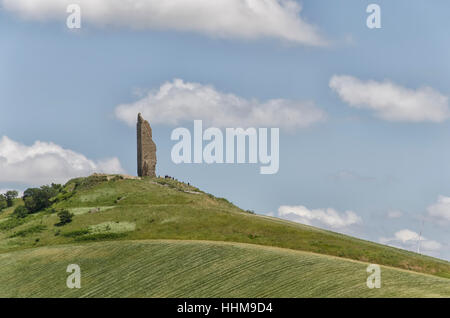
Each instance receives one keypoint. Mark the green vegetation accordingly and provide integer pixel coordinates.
(38, 199)
(112, 227)
(10, 196)
(106, 230)
(11, 223)
(200, 269)
(115, 210)
(31, 230)
(3, 203)
(75, 233)
(175, 184)
(65, 217)
(7, 199)
(99, 237)
(20, 212)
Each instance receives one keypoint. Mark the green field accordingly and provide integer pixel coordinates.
(116, 234)
(200, 269)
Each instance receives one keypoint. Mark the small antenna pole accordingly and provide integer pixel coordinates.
(420, 236)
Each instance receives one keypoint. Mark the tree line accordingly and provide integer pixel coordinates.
(35, 200)
(7, 199)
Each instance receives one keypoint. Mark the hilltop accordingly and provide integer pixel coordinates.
(127, 225)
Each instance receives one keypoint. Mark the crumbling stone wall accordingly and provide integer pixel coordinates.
(146, 149)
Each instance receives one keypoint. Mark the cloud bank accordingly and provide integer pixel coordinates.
(440, 210)
(245, 19)
(390, 101)
(407, 239)
(46, 162)
(328, 217)
(179, 101)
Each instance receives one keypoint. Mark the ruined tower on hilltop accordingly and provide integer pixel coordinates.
(146, 149)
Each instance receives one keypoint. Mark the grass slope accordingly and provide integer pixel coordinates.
(200, 269)
(121, 214)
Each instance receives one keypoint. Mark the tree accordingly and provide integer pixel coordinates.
(33, 199)
(64, 217)
(3, 204)
(37, 199)
(10, 196)
(57, 187)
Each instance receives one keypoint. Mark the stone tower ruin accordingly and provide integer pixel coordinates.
(146, 149)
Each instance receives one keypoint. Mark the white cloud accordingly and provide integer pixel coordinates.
(247, 19)
(394, 214)
(45, 162)
(430, 245)
(20, 192)
(328, 217)
(406, 235)
(390, 101)
(440, 210)
(180, 101)
(409, 240)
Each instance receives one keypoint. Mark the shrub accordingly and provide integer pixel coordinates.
(3, 204)
(37, 199)
(11, 223)
(63, 196)
(64, 217)
(20, 212)
(10, 196)
(50, 210)
(89, 182)
(76, 233)
(100, 237)
(31, 230)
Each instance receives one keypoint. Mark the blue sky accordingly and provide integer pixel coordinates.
(63, 86)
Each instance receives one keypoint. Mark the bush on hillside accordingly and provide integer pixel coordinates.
(11, 223)
(10, 196)
(31, 230)
(64, 217)
(20, 212)
(3, 204)
(37, 199)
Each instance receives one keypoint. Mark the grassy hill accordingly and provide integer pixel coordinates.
(119, 225)
(199, 269)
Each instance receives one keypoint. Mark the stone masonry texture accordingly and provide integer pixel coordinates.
(146, 149)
